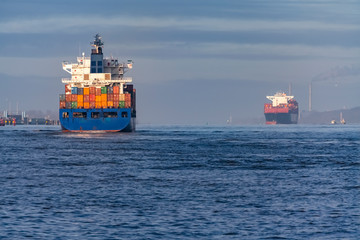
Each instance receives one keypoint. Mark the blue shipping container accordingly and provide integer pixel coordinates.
(74, 90)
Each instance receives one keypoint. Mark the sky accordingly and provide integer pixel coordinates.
(195, 61)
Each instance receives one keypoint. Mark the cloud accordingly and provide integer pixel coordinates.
(56, 24)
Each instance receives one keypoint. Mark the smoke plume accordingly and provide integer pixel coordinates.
(337, 72)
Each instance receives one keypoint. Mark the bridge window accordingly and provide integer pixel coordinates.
(99, 70)
(99, 63)
(93, 63)
(93, 70)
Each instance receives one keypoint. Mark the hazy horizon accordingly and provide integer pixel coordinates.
(194, 61)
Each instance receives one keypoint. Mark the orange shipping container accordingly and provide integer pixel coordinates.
(127, 97)
(80, 98)
(116, 89)
(110, 104)
(97, 98)
(98, 104)
(80, 105)
(104, 104)
(122, 97)
(86, 91)
(116, 104)
(92, 104)
(86, 105)
(104, 97)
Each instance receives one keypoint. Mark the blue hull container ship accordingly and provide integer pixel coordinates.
(98, 98)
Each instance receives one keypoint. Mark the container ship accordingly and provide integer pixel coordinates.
(97, 96)
(283, 109)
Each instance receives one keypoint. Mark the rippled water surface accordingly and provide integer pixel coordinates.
(257, 182)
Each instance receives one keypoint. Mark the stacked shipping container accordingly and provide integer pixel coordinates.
(96, 97)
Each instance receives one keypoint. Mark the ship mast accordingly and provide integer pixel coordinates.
(98, 43)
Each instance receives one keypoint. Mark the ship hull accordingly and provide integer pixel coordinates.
(97, 120)
(281, 118)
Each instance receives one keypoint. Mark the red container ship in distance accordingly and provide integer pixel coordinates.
(283, 109)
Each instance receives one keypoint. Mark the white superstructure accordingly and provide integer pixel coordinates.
(279, 98)
(97, 71)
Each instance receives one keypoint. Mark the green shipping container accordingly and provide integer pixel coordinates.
(121, 104)
(73, 105)
(103, 90)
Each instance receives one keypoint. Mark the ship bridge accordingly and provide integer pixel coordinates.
(279, 99)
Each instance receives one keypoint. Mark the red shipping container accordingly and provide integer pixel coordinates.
(68, 97)
(116, 97)
(127, 97)
(127, 104)
(74, 97)
(92, 90)
(110, 97)
(62, 104)
(98, 91)
(92, 105)
(87, 98)
(67, 89)
(92, 97)
(116, 89)
(116, 104)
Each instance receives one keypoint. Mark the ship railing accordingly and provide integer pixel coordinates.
(97, 81)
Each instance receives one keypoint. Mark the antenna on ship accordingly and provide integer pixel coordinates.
(98, 43)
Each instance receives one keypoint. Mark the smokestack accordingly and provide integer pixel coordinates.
(310, 107)
(290, 88)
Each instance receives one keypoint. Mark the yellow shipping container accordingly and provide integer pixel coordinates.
(86, 105)
(104, 97)
(80, 98)
(86, 91)
(98, 104)
(98, 99)
(122, 97)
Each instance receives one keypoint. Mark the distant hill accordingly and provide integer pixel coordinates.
(350, 116)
